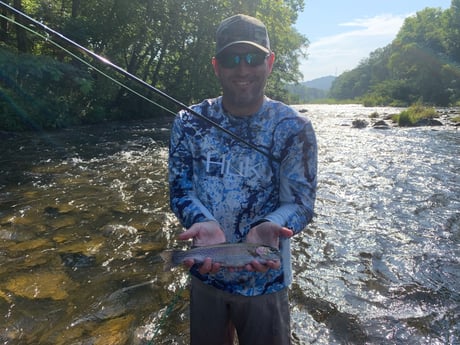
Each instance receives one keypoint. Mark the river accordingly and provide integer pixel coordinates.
(84, 214)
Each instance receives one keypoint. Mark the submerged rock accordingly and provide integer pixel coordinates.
(77, 260)
(113, 332)
(39, 285)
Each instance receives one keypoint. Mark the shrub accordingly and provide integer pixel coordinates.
(413, 114)
(39, 92)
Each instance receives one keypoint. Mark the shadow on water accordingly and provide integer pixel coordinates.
(84, 214)
(344, 327)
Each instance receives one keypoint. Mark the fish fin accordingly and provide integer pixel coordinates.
(167, 257)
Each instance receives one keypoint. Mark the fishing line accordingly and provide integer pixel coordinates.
(126, 74)
(166, 314)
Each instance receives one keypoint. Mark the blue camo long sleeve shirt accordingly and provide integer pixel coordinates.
(213, 176)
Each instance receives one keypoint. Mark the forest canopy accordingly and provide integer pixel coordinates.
(169, 45)
(166, 43)
(422, 64)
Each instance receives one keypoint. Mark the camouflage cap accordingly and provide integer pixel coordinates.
(242, 29)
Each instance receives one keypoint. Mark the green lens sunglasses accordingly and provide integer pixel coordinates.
(232, 60)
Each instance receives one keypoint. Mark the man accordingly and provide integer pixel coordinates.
(223, 190)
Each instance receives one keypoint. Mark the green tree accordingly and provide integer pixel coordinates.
(453, 31)
(40, 92)
(359, 81)
(169, 44)
(420, 64)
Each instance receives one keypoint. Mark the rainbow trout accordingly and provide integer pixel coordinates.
(228, 254)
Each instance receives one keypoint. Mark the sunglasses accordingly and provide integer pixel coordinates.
(233, 60)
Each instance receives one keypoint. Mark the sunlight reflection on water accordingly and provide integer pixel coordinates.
(384, 200)
(379, 264)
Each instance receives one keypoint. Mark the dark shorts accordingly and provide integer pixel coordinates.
(216, 314)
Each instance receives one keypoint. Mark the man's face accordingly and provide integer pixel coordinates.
(243, 85)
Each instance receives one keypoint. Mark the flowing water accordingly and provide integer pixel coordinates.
(84, 214)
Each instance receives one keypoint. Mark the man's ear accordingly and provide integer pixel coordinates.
(215, 66)
(271, 61)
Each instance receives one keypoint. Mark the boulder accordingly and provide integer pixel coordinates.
(359, 123)
(428, 122)
(381, 125)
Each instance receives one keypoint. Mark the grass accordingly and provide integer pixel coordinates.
(413, 114)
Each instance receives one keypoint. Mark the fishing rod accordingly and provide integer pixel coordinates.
(133, 77)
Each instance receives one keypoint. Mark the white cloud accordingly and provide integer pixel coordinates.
(332, 55)
(382, 25)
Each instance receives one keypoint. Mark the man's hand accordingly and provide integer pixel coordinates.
(269, 234)
(204, 234)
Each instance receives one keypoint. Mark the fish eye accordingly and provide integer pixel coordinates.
(262, 250)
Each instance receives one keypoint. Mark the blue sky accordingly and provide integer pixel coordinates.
(343, 32)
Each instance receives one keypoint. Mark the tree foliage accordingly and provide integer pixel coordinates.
(168, 44)
(421, 64)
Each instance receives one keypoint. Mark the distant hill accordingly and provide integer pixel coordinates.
(310, 90)
(323, 83)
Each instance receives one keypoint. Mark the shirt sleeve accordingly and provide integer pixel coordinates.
(298, 180)
(183, 200)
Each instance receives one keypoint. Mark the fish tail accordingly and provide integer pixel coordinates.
(168, 259)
